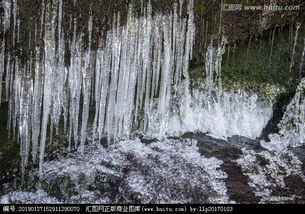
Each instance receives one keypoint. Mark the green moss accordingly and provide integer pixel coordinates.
(254, 66)
(197, 72)
(270, 90)
(234, 81)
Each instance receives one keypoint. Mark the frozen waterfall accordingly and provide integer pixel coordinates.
(136, 82)
(135, 70)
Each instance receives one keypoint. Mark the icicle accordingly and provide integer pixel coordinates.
(75, 86)
(59, 73)
(86, 71)
(137, 64)
(25, 106)
(103, 88)
(294, 45)
(9, 69)
(213, 62)
(8, 78)
(115, 61)
(2, 68)
(181, 6)
(49, 58)
(147, 65)
(97, 94)
(15, 10)
(228, 56)
(190, 35)
(163, 102)
(6, 24)
(6, 4)
(60, 15)
(37, 98)
(248, 50)
(302, 61)
(271, 48)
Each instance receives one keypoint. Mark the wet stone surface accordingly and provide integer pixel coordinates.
(227, 151)
(195, 168)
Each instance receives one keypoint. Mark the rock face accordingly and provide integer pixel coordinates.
(241, 20)
(251, 18)
(211, 17)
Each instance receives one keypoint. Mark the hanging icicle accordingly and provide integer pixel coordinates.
(137, 62)
(294, 46)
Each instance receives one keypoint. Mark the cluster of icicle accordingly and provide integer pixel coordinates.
(5, 71)
(213, 60)
(143, 60)
(136, 81)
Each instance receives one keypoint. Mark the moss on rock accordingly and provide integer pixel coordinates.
(261, 64)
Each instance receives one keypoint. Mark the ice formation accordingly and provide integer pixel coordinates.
(138, 62)
(280, 162)
(128, 172)
(230, 113)
(292, 125)
(267, 172)
(294, 46)
(135, 82)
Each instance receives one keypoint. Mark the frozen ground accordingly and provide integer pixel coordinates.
(193, 169)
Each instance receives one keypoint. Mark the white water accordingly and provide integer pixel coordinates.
(231, 113)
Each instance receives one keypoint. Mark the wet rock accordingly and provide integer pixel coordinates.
(195, 168)
(227, 151)
(171, 171)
